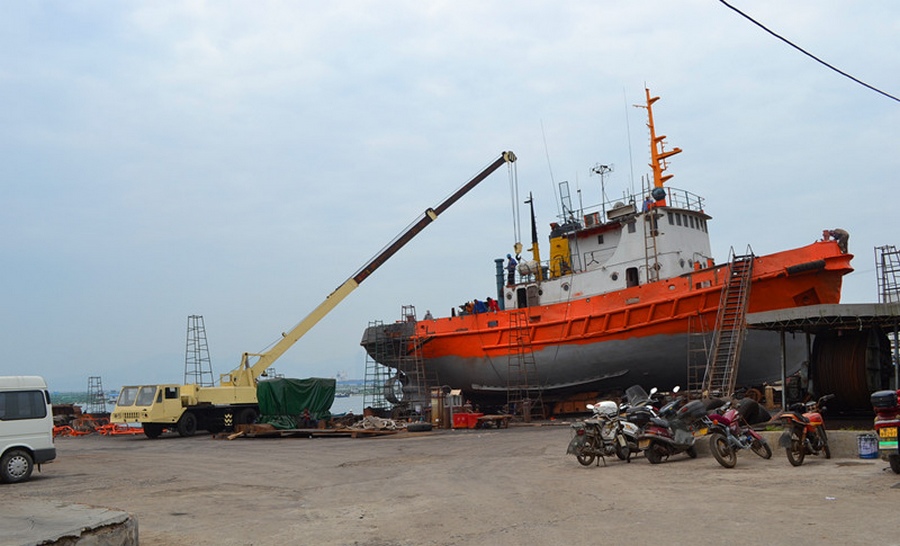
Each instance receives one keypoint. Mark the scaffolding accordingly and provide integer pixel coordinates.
(417, 386)
(887, 266)
(377, 375)
(197, 364)
(96, 397)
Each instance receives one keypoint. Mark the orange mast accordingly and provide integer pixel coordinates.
(658, 155)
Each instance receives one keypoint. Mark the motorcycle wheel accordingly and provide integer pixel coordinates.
(761, 448)
(653, 456)
(895, 463)
(796, 451)
(718, 445)
(622, 452)
(691, 452)
(823, 440)
(586, 456)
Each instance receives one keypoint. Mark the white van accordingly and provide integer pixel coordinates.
(26, 427)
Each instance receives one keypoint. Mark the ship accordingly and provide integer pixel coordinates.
(629, 287)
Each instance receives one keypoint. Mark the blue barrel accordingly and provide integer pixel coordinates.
(868, 446)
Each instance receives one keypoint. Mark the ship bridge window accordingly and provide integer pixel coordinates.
(632, 226)
(692, 222)
(631, 277)
(671, 219)
(678, 219)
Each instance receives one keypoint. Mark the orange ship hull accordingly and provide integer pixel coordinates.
(614, 340)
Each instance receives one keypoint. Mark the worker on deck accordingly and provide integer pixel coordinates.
(511, 270)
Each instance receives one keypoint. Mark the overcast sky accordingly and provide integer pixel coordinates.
(240, 160)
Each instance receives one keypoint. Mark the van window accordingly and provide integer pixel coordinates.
(22, 405)
(145, 396)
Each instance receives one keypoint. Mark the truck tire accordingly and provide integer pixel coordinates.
(187, 425)
(419, 427)
(152, 430)
(16, 466)
(247, 416)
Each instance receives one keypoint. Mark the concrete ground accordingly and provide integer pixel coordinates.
(511, 486)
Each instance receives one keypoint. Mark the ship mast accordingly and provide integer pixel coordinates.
(535, 251)
(658, 155)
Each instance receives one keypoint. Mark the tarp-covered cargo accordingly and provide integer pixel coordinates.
(282, 401)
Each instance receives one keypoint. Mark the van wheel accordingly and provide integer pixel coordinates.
(16, 466)
(187, 425)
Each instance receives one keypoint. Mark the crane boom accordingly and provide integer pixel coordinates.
(245, 374)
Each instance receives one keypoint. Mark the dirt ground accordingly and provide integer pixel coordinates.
(511, 486)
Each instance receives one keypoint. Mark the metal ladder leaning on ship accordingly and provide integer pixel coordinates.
(522, 395)
(730, 330)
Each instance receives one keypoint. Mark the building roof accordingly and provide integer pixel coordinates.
(820, 318)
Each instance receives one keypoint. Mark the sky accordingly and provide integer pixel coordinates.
(240, 160)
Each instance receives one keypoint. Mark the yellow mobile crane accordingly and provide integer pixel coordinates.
(189, 408)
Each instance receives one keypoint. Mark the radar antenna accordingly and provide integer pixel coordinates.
(602, 171)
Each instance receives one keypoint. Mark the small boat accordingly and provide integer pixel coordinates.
(626, 287)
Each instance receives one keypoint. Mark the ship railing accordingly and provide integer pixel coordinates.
(684, 199)
(596, 214)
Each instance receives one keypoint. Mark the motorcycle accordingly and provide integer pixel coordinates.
(673, 431)
(635, 414)
(887, 421)
(804, 431)
(599, 436)
(730, 432)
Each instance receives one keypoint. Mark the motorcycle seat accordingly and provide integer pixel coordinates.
(659, 421)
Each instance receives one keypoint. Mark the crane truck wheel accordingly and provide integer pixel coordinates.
(152, 431)
(187, 425)
(247, 416)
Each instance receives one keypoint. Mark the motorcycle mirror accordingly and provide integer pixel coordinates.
(590, 406)
(676, 389)
(653, 391)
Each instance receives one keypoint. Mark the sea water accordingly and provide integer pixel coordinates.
(353, 403)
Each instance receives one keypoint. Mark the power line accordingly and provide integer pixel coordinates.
(808, 54)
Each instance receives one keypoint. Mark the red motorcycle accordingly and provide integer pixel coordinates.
(887, 421)
(730, 432)
(804, 431)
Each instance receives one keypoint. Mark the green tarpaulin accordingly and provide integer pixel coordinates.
(282, 401)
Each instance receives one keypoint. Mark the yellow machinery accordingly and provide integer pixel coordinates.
(189, 408)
